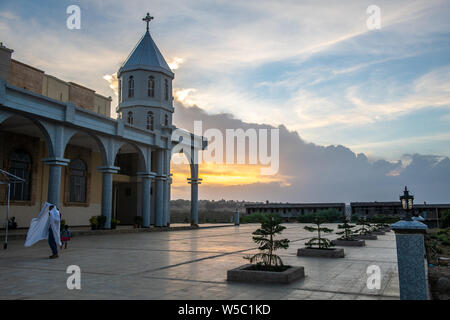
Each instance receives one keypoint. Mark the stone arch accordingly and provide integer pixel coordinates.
(143, 164)
(43, 132)
(127, 191)
(98, 143)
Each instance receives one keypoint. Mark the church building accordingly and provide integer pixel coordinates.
(61, 139)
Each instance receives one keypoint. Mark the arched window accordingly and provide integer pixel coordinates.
(166, 120)
(131, 87)
(130, 117)
(150, 121)
(151, 86)
(20, 165)
(167, 89)
(78, 181)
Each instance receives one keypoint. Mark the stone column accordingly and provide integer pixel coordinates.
(236, 218)
(107, 190)
(409, 236)
(194, 181)
(146, 198)
(168, 185)
(160, 178)
(54, 178)
(166, 159)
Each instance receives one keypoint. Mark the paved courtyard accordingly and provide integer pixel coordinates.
(189, 265)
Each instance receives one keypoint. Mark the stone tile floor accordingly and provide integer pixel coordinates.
(189, 265)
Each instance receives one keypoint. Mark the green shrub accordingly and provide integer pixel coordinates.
(347, 233)
(328, 215)
(101, 221)
(256, 217)
(366, 228)
(445, 219)
(319, 241)
(93, 221)
(265, 238)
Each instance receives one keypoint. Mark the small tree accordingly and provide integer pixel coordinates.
(319, 241)
(265, 237)
(347, 233)
(365, 226)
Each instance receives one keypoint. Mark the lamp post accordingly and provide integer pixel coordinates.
(407, 203)
(409, 236)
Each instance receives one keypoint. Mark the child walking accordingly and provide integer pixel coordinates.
(65, 236)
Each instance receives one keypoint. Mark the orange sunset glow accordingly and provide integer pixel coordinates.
(226, 175)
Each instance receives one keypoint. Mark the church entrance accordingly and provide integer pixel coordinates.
(127, 186)
(125, 202)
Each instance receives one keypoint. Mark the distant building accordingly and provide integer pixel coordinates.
(292, 210)
(430, 212)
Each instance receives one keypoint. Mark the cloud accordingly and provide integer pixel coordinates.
(113, 82)
(313, 173)
(175, 63)
(311, 66)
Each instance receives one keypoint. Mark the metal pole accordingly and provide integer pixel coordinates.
(5, 245)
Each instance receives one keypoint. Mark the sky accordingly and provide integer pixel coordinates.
(367, 107)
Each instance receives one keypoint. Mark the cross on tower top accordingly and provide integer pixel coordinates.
(147, 19)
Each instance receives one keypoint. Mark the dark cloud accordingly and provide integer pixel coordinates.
(327, 173)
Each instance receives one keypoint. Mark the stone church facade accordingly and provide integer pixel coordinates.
(59, 136)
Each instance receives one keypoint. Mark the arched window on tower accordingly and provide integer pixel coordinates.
(78, 180)
(150, 121)
(130, 119)
(166, 120)
(151, 86)
(167, 89)
(131, 87)
(20, 165)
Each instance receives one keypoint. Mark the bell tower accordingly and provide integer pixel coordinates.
(145, 86)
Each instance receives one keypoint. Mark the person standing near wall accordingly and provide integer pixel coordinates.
(54, 231)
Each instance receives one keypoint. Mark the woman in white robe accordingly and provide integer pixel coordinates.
(46, 226)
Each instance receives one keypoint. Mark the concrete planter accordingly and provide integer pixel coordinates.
(349, 243)
(242, 274)
(379, 233)
(367, 237)
(321, 253)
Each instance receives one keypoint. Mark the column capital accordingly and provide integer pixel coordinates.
(55, 161)
(194, 180)
(146, 175)
(409, 227)
(108, 169)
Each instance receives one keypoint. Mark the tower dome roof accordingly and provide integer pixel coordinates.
(146, 56)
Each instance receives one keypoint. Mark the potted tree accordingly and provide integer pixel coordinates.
(347, 236)
(93, 222)
(364, 233)
(101, 222)
(377, 229)
(266, 266)
(114, 223)
(320, 246)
